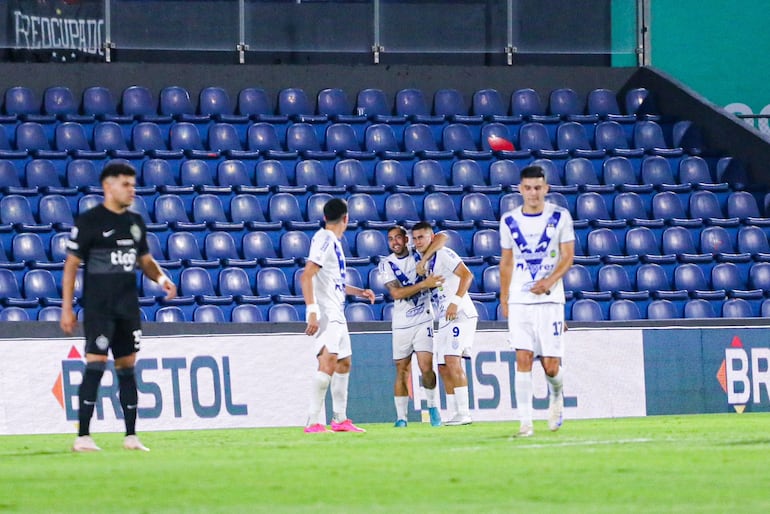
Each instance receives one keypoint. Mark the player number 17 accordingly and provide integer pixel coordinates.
(557, 328)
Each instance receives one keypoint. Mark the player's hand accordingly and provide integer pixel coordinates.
(432, 281)
(170, 288)
(541, 287)
(68, 321)
(420, 268)
(451, 312)
(312, 324)
(368, 294)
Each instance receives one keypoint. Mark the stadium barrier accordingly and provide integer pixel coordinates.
(215, 379)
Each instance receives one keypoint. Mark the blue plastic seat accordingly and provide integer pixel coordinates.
(253, 102)
(282, 313)
(679, 241)
(695, 171)
(60, 102)
(312, 174)
(467, 173)
(28, 247)
(458, 138)
(451, 104)
(591, 206)
(418, 138)
(259, 246)
(372, 103)
(610, 136)
(489, 104)
(98, 102)
(604, 103)
(527, 104)
(208, 208)
(572, 137)
(564, 102)
(705, 205)
(624, 310)
(247, 208)
(294, 102)
(412, 104)
(662, 309)
(499, 130)
(534, 137)
(215, 103)
(753, 240)
(220, 246)
(175, 101)
(614, 278)
(727, 276)
(381, 139)
(619, 171)
(271, 173)
(652, 277)
(42, 174)
(295, 244)
(40, 284)
(246, 313)
(580, 172)
(157, 172)
(718, 242)
(138, 101)
(208, 314)
(342, 139)
(271, 281)
(263, 137)
(641, 102)
(391, 174)
(455, 242)
(233, 173)
(55, 210)
(147, 137)
(196, 281)
(759, 276)
(510, 201)
(70, 137)
(743, 205)
(82, 174)
(648, 135)
(667, 206)
(505, 173)
(733, 171)
(699, 308)
(577, 281)
(439, 207)
(170, 209)
(642, 241)
(184, 246)
(349, 173)
(686, 135)
(657, 171)
(185, 136)
(285, 208)
(302, 137)
(737, 308)
(223, 138)
(371, 243)
(170, 314)
(486, 243)
(16, 210)
(21, 101)
(430, 175)
(89, 201)
(401, 208)
(690, 277)
(359, 312)
(476, 207)
(334, 103)
(108, 137)
(31, 136)
(363, 210)
(587, 309)
(9, 177)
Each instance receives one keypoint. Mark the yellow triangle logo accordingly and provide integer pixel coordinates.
(739, 408)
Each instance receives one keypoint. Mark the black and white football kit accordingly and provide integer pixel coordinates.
(110, 245)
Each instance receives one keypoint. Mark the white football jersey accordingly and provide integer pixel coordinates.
(534, 240)
(444, 263)
(329, 282)
(412, 311)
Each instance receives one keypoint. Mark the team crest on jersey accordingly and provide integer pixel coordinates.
(136, 232)
(102, 342)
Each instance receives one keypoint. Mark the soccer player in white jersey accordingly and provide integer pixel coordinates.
(457, 318)
(412, 319)
(324, 290)
(538, 245)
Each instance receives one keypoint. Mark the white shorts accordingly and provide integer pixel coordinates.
(538, 328)
(418, 338)
(335, 337)
(455, 338)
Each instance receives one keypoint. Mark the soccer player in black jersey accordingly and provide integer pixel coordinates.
(111, 241)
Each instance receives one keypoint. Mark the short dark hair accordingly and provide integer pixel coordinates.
(533, 172)
(335, 209)
(422, 225)
(399, 228)
(115, 169)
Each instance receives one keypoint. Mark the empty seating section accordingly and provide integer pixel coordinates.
(232, 187)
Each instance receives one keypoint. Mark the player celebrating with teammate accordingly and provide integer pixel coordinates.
(412, 319)
(538, 245)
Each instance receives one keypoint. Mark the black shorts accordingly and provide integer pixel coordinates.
(123, 336)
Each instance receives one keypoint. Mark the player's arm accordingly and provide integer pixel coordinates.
(506, 275)
(68, 319)
(567, 255)
(437, 243)
(359, 291)
(466, 278)
(400, 292)
(312, 312)
(151, 268)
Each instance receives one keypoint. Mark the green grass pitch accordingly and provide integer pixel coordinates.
(705, 463)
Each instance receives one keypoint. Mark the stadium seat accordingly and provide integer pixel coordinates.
(272, 174)
(295, 244)
(263, 137)
(695, 171)
(196, 281)
(235, 282)
(40, 284)
(412, 104)
(737, 308)
(678, 241)
(185, 136)
(418, 138)
(208, 314)
(505, 173)
(285, 208)
(451, 104)
(610, 136)
(624, 310)
(743, 205)
(467, 173)
(604, 103)
(302, 137)
(643, 242)
(429, 174)
(477, 208)
(50, 313)
(391, 174)
(233, 173)
(685, 134)
(21, 101)
(662, 309)
(334, 103)
(253, 102)
(731, 278)
(56, 211)
(350, 173)
(157, 172)
(9, 177)
(705, 205)
(592, 207)
(527, 104)
(184, 246)
(196, 173)
(108, 137)
(719, 243)
(510, 202)
(342, 139)
(246, 313)
(458, 138)
(587, 309)
(16, 210)
(271, 281)
(363, 210)
(98, 102)
(359, 312)
(372, 103)
(667, 206)
(759, 276)
(220, 246)
(656, 170)
(223, 138)
(208, 208)
(753, 240)
(640, 102)
(489, 104)
(486, 243)
(59, 101)
(70, 137)
(58, 245)
(147, 137)
(170, 209)
(629, 206)
(572, 137)
(294, 102)
(82, 174)
(619, 172)
(31, 137)
(534, 137)
(215, 103)
(401, 208)
(564, 102)
(580, 172)
(175, 102)
(690, 277)
(42, 174)
(282, 313)
(733, 171)
(10, 292)
(699, 308)
(381, 139)
(439, 208)
(138, 101)
(170, 314)
(258, 245)
(14, 314)
(371, 243)
(87, 202)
